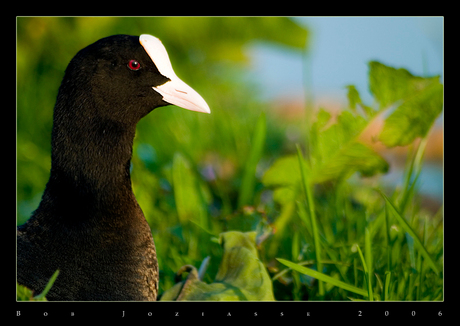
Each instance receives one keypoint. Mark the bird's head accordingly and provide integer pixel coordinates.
(127, 77)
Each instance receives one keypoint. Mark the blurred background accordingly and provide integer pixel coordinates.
(243, 67)
(339, 49)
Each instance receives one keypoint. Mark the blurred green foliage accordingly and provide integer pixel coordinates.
(196, 176)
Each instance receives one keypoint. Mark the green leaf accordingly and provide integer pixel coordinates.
(258, 141)
(336, 152)
(355, 157)
(411, 232)
(414, 117)
(389, 85)
(283, 172)
(23, 293)
(418, 100)
(241, 275)
(354, 100)
(353, 96)
(322, 118)
(323, 277)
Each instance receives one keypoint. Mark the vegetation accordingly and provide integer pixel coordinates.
(325, 228)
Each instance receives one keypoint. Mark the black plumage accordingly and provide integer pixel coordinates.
(89, 224)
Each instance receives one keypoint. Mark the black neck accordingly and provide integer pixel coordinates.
(90, 161)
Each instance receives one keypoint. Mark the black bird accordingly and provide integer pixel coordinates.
(89, 224)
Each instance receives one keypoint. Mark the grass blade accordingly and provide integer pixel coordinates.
(387, 238)
(369, 261)
(386, 291)
(368, 252)
(420, 265)
(258, 141)
(48, 287)
(323, 277)
(311, 207)
(366, 274)
(411, 232)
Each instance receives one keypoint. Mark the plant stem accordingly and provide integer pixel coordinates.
(311, 207)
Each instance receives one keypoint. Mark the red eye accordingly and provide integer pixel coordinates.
(134, 65)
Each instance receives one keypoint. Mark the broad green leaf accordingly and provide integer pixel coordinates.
(355, 157)
(283, 172)
(389, 85)
(284, 195)
(336, 153)
(418, 101)
(327, 143)
(23, 293)
(322, 118)
(323, 277)
(414, 117)
(241, 275)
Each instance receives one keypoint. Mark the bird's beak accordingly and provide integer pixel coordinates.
(174, 91)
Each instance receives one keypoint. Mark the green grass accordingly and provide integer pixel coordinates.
(324, 277)
(370, 275)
